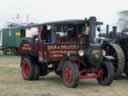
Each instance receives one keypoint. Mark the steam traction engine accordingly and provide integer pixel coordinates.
(116, 45)
(69, 49)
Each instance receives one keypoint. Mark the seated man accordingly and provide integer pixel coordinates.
(48, 36)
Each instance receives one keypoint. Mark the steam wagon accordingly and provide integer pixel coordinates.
(69, 49)
(11, 38)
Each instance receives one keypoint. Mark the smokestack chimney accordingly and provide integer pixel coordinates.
(92, 33)
(107, 30)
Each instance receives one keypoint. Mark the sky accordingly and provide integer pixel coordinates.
(51, 10)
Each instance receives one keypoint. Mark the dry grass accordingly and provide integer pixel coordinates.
(12, 84)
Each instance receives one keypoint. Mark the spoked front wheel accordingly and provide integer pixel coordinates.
(107, 73)
(70, 74)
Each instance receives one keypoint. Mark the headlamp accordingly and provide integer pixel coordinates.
(81, 52)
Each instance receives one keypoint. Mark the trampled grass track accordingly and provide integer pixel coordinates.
(12, 84)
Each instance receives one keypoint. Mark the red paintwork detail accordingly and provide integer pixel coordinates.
(25, 46)
(68, 74)
(57, 52)
(97, 74)
(25, 70)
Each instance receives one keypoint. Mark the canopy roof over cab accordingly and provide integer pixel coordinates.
(63, 22)
(75, 21)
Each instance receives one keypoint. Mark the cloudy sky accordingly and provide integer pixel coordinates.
(48, 10)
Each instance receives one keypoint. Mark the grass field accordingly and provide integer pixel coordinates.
(12, 84)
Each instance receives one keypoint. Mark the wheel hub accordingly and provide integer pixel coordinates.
(68, 74)
(25, 69)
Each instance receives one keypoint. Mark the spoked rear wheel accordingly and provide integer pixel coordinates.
(70, 74)
(30, 71)
(107, 73)
(25, 70)
(43, 69)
